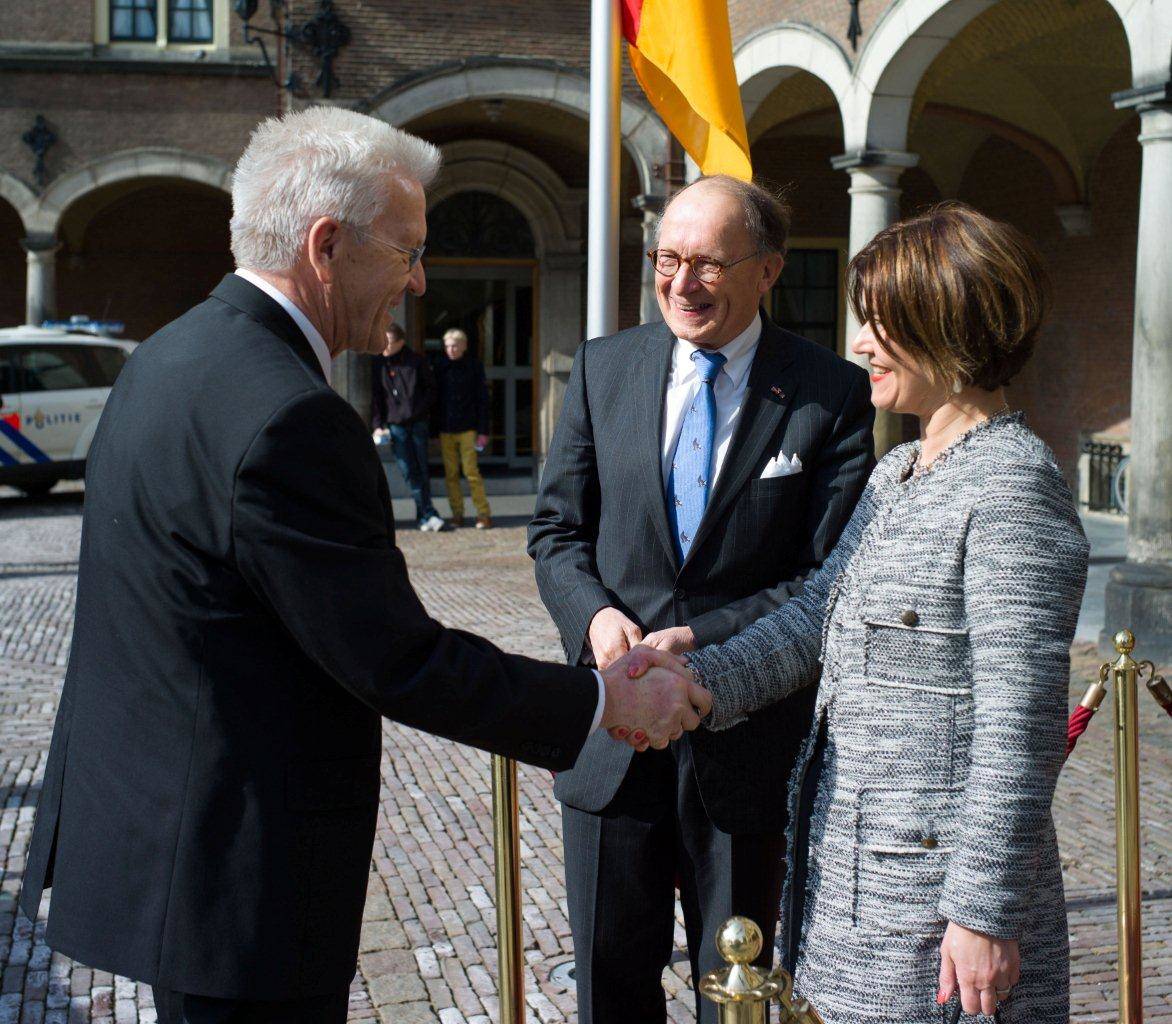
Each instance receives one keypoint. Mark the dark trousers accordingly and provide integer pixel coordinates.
(409, 443)
(621, 867)
(184, 1008)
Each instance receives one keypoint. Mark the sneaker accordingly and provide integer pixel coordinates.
(483, 523)
(433, 523)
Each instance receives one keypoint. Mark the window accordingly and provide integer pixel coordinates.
(805, 298)
(108, 362)
(69, 367)
(7, 374)
(133, 20)
(197, 24)
(189, 21)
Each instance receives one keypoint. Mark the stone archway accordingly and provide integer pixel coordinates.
(908, 37)
(522, 179)
(142, 250)
(644, 137)
(42, 214)
(18, 195)
(767, 57)
(124, 166)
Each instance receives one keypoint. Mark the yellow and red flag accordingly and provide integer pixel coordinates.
(681, 53)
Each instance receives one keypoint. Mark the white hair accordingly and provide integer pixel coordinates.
(318, 162)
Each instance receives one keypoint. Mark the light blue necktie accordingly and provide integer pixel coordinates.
(690, 478)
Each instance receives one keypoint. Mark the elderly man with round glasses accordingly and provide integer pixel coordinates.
(701, 469)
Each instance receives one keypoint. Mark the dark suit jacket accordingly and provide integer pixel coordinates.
(600, 536)
(243, 620)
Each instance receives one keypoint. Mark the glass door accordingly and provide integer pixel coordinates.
(494, 305)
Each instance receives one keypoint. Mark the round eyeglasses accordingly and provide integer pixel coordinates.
(706, 268)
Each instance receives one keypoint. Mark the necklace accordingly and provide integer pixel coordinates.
(919, 467)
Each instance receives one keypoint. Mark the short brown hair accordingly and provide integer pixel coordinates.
(767, 216)
(395, 330)
(963, 294)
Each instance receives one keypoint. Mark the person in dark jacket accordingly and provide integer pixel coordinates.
(402, 394)
(463, 425)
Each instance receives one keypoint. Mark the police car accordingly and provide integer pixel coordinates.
(54, 382)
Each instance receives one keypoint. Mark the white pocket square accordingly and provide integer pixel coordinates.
(781, 465)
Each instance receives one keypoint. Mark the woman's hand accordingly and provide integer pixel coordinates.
(638, 667)
(982, 967)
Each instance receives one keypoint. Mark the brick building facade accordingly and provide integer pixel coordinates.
(1001, 103)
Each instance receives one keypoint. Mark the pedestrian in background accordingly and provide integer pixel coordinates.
(402, 394)
(463, 424)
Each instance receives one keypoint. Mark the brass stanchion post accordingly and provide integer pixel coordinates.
(743, 991)
(1125, 672)
(506, 843)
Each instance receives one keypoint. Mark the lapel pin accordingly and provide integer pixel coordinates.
(778, 393)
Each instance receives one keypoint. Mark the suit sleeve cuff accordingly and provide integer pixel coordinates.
(601, 702)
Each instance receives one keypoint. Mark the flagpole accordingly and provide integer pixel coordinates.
(602, 263)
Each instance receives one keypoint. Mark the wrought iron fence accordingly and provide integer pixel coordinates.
(1103, 468)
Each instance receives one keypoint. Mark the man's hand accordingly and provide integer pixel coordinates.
(481, 442)
(677, 639)
(651, 699)
(611, 635)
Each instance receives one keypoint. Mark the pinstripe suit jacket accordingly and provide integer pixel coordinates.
(600, 535)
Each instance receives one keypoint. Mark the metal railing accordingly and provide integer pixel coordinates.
(744, 991)
(1104, 492)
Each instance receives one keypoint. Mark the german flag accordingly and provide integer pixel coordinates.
(681, 53)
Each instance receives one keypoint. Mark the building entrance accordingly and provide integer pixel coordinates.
(493, 303)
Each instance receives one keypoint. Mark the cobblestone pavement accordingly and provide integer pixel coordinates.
(428, 949)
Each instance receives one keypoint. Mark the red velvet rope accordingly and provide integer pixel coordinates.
(1079, 720)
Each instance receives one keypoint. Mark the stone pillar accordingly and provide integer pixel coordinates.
(651, 207)
(1139, 593)
(560, 332)
(351, 378)
(41, 280)
(874, 205)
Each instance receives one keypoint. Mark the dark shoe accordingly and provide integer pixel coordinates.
(483, 523)
(457, 522)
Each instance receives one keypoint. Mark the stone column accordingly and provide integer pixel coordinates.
(560, 332)
(351, 378)
(41, 280)
(1139, 593)
(874, 205)
(651, 206)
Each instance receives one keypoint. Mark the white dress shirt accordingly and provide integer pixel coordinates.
(321, 350)
(316, 341)
(729, 389)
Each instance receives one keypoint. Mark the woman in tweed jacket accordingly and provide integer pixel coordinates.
(924, 865)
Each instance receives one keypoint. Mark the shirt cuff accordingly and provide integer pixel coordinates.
(601, 702)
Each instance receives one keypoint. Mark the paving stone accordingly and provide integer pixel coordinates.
(428, 937)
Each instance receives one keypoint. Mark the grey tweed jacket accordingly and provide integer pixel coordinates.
(943, 621)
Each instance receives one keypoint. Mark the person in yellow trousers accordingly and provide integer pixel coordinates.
(463, 425)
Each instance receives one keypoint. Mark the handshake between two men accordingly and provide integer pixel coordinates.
(651, 698)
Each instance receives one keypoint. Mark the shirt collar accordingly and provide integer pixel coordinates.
(738, 355)
(312, 335)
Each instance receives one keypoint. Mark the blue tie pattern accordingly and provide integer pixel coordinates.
(689, 481)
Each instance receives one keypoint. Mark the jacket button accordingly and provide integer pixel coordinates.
(929, 843)
(681, 594)
(909, 618)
